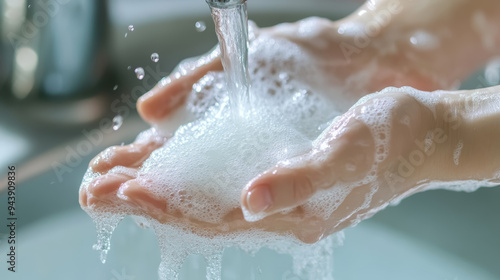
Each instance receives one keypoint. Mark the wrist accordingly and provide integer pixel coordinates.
(471, 120)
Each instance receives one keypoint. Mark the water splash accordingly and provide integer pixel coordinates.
(155, 57)
(139, 72)
(200, 26)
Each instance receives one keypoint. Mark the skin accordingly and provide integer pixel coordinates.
(345, 152)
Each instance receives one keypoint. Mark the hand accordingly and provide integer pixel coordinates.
(343, 156)
(115, 188)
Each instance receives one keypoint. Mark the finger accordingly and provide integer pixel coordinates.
(142, 198)
(347, 157)
(102, 189)
(128, 156)
(172, 91)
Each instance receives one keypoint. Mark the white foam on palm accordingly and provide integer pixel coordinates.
(203, 168)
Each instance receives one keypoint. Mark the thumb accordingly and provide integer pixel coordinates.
(287, 185)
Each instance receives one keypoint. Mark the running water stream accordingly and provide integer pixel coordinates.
(231, 26)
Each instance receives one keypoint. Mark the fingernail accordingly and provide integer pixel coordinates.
(259, 199)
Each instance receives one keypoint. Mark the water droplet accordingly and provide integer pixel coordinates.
(200, 26)
(117, 122)
(139, 71)
(115, 87)
(131, 28)
(155, 57)
(126, 34)
(129, 67)
(29, 6)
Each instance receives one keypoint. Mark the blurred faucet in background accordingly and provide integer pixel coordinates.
(53, 61)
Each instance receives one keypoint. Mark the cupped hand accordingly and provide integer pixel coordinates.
(355, 154)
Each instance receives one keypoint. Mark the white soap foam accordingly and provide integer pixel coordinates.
(461, 186)
(457, 152)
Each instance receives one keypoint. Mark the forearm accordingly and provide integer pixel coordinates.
(445, 39)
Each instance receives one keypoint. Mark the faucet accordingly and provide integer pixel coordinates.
(53, 58)
(225, 4)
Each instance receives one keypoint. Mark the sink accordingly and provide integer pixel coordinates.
(438, 235)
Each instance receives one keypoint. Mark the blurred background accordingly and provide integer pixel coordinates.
(67, 70)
